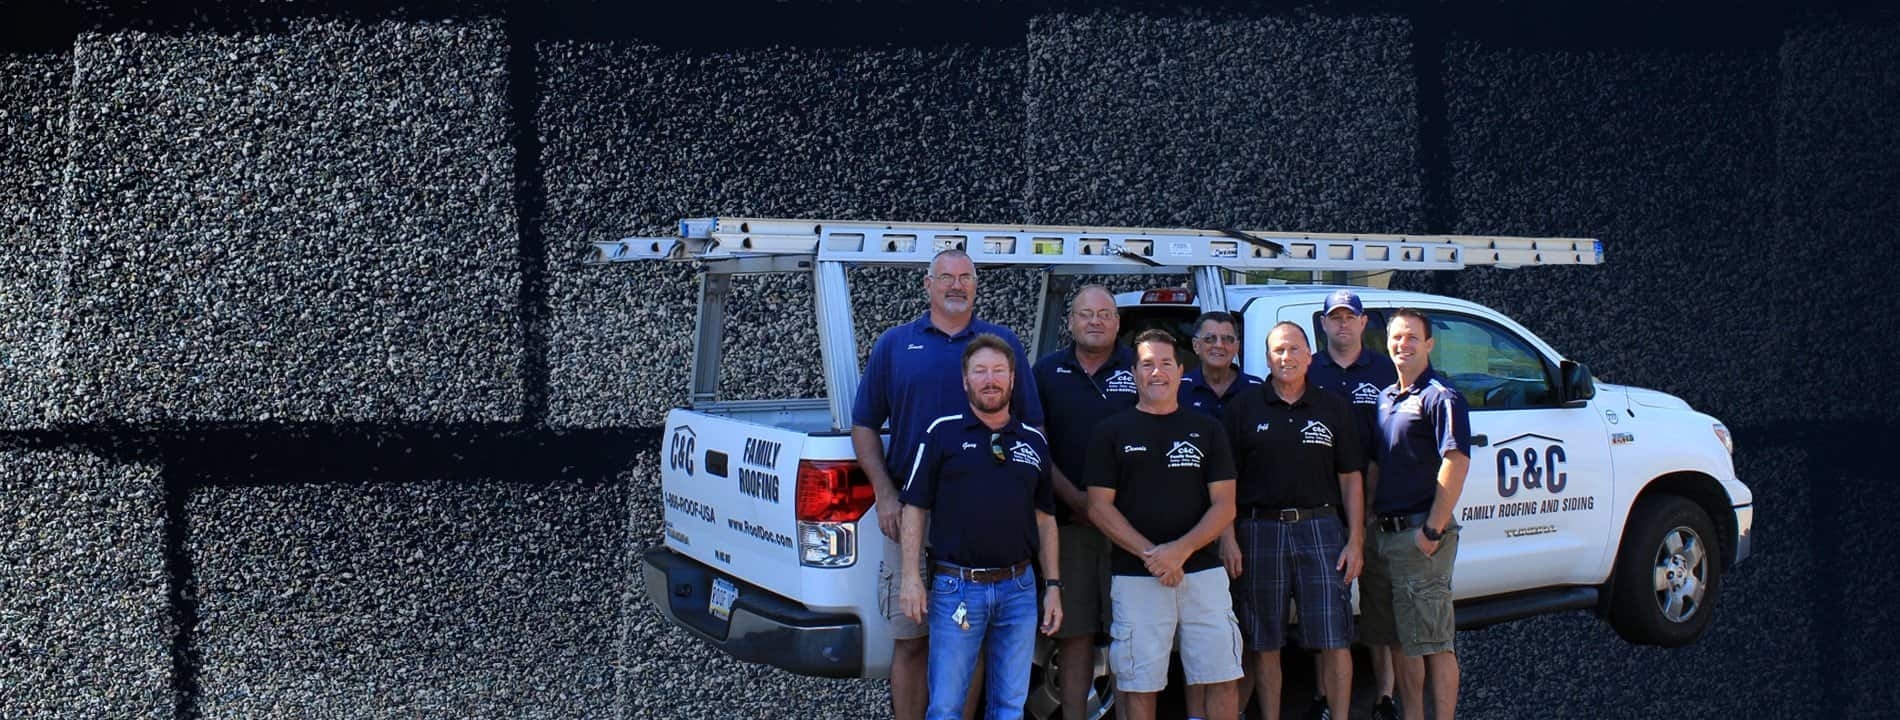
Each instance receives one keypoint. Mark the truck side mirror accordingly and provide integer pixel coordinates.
(1578, 386)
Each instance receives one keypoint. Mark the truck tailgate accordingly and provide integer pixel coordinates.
(729, 490)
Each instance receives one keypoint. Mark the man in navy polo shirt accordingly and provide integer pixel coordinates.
(1423, 451)
(981, 483)
(1300, 520)
(1209, 387)
(913, 377)
(1081, 385)
(1357, 374)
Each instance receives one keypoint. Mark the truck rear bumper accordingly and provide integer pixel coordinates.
(764, 628)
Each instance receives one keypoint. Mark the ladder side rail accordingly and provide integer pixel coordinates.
(709, 337)
(837, 340)
(1210, 288)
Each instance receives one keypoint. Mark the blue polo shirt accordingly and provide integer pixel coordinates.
(1194, 393)
(982, 488)
(1359, 384)
(1418, 424)
(1074, 400)
(915, 375)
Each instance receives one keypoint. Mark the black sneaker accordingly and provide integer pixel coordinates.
(1319, 710)
(1384, 709)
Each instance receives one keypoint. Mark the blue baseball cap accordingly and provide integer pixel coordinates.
(1345, 299)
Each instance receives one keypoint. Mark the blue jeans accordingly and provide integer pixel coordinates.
(1002, 617)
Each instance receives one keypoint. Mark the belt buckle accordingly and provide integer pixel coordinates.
(1289, 515)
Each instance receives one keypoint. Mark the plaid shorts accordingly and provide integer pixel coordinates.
(1300, 560)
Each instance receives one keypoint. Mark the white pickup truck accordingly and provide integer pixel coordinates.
(1581, 494)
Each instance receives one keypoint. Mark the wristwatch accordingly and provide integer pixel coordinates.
(1052, 583)
(1430, 533)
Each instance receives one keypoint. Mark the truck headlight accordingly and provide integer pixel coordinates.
(1721, 433)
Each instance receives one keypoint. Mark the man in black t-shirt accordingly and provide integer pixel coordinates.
(1161, 487)
(1300, 519)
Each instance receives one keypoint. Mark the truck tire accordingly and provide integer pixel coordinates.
(1045, 690)
(1668, 573)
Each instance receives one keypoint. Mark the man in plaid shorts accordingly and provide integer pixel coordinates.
(1299, 520)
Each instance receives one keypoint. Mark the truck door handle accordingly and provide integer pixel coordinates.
(1480, 440)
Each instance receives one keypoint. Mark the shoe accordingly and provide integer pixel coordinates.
(1319, 710)
(1384, 709)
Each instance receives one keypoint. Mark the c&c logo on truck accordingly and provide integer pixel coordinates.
(679, 451)
(1536, 462)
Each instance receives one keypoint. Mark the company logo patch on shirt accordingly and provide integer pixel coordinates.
(1021, 452)
(1365, 394)
(1134, 448)
(1316, 433)
(913, 346)
(1184, 454)
(1121, 381)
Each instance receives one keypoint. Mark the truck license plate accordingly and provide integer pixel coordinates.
(723, 593)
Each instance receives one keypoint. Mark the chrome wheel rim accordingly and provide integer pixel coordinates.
(1681, 574)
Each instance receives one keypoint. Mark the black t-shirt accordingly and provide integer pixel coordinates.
(1159, 467)
(1291, 455)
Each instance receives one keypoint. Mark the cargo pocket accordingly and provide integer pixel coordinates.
(1121, 648)
(1433, 624)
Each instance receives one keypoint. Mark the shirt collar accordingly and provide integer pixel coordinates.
(922, 324)
(1273, 394)
(1120, 357)
(1424, 379)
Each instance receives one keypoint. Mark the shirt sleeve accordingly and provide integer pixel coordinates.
(1100, 468)
(1220, 457)
(1045, 482)
(1451, 418)
(920, 486)
(872, 406)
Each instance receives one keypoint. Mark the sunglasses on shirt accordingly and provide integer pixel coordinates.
(996, 448)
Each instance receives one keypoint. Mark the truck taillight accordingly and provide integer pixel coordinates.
(832, 496)
(1168, 295)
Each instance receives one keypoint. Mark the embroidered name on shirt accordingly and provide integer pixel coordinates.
(1134, 448)
(1316, 433)
(1262, 427)
(969, 446)
(1184, 455)
(1063, 371)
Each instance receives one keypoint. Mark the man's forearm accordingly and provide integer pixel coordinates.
(1112, 523)
(869, 447)
(1046, 532)
(1451, 484)
(913, 540)
(1352, 494)
(1068, 492)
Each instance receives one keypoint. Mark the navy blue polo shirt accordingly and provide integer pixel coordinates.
(982, 507)
(915, 375)
(1290, 455)
(1194, 393)
(1074, 400)
(1418, 424)
(1359, 383)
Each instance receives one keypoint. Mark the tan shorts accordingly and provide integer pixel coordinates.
(888, 589)
(1405, 595)
(1146, 616)
(1084, 560)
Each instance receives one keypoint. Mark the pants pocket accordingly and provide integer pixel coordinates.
(1434, 624)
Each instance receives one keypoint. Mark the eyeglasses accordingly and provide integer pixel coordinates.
(996, 448)
(1093, 315)
(1211, 339)
(947, 278)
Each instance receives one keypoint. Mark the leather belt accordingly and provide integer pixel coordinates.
(1292, 515)
(983, 575)
(1401, 523)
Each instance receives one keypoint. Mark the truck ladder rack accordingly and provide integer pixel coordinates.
(714, 240)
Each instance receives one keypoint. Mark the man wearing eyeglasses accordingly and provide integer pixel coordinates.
(1161, 487)
(1081, 385)
(913, 377)
(981, 482)
(1209, 387)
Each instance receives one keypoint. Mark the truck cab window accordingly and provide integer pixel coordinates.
(1492, 367)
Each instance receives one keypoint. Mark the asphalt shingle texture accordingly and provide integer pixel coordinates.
(316, 225)
(1835, 244)
(33, 129)
(636, 137)
(1667, 157)
(453, 598)
(1273, 123)
(85, 623)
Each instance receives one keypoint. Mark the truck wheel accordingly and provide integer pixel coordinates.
(1668, 573)
(1045, 690)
